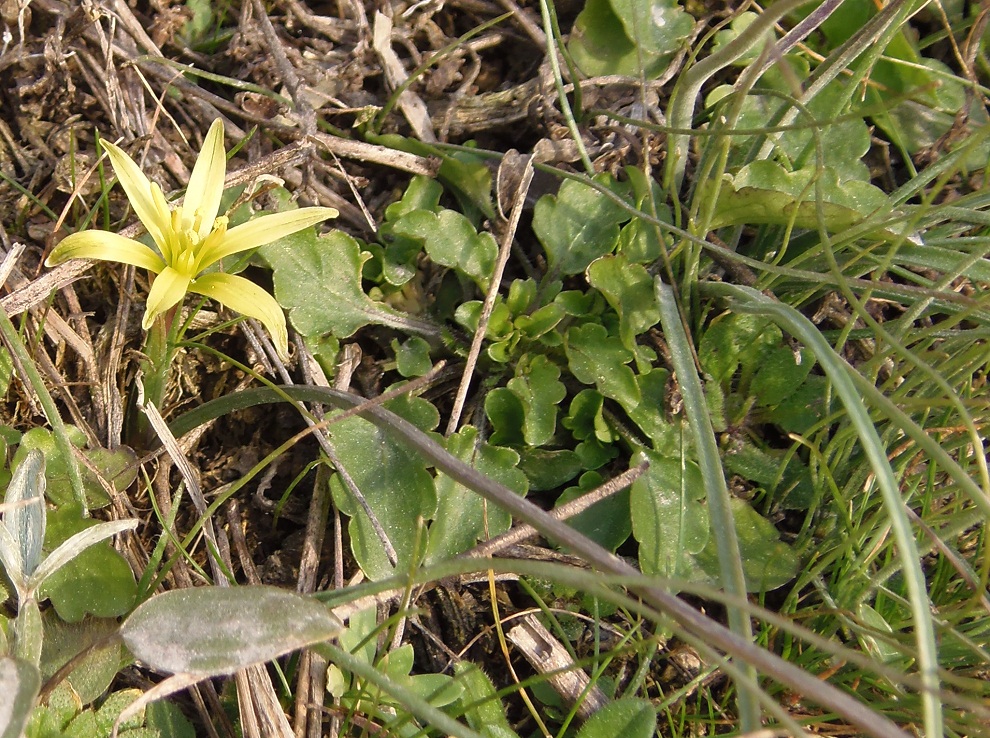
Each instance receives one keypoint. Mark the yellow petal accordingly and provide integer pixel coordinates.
(259, 231)
(105, 246)
(165, 212)
(245, 297)
(138, 190)
(168, 288)
(202, 202)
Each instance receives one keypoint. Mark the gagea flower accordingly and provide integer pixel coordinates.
(191, 238)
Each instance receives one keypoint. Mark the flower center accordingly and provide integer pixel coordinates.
(185, 244)
(190, 253)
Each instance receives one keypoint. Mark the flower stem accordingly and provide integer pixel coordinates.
(160, 347)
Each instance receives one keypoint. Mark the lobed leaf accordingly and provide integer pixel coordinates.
(577, 226)
(318, 279)
(463, 518)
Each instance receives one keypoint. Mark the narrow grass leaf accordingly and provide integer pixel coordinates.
(841, 374)
(717, 492)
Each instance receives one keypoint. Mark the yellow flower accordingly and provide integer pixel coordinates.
(191, 238)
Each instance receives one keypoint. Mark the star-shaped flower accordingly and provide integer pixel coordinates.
(190, 238)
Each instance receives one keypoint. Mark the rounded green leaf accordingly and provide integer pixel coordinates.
(627, 717)
(669, 515)
(218, 630)
(91, 676)
(767, 561)
(396, 486)
(462, 517)
(85, 576)
(598, 359)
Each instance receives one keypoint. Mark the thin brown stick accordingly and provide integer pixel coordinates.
(486, 309)
(568, 510)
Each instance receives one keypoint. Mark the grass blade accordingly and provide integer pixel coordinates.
(841, 374)
(709, 460)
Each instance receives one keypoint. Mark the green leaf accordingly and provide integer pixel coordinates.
(629, 290)
(669, 516)
(469, 178)
(607, 522)
(585, 418)
(650, 414)
(639, 242)
(200, 21)
(767, 561)
(739, 24)
(50, 720)
(451, 241)
(844, 142)
(780, 373)
(463, 518)
(325, 350)
(399, 261)
(733, 339)
(507, 415)
(522, 294)
(598, 359)
(879, 647)
(319, 281)
(764, 192)
(594, 454)
(168, 721)
(549, 468)
(422, 193)
(751, 463)
(417, 410)
(358, 637)
(499, 322)
(481, 705)
(397, 662)
(20, 683)
(99, 723)
(412, 356)
(580, 304)
(97, 581)
(540, 322)
(118, 467)
(92, 675)
(395, 484)
(628, 37)
(437, 689)
(627, 717)
(803, 408)
(218, 630)
(577, 226)
(463, 172)
(657, 27)
(538, 388)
